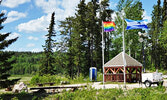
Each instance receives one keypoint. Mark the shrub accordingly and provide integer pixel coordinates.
(47, 78)
(99, 76)
(14, 98)
(35, 79)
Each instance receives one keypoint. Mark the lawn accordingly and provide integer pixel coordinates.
(153, 93)
(24, 78)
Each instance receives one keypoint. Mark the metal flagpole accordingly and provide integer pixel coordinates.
(123, 49)
(103, 54)
(102, 47)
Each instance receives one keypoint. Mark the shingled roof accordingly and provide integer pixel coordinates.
(118, 61)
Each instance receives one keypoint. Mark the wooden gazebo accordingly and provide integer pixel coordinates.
(114, 69)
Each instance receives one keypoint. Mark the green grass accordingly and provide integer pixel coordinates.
(157, 93)
(24, 78)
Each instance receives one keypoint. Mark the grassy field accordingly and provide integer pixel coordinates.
(153, 93)
(158, 93)
(24, 78)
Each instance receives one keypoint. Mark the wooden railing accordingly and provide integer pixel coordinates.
(120, 77)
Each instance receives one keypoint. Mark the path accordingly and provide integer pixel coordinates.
(98, 85)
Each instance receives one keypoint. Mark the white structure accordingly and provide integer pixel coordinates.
(19, 87)
(152, 78)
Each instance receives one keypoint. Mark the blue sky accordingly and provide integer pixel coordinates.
(28, 19)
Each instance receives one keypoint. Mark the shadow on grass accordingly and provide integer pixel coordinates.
(24, 96)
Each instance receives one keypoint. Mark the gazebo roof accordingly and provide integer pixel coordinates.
(118, 61)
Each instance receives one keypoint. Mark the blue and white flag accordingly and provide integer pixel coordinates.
(136, 24)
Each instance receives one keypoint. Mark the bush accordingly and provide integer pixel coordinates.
(47, 78)
(99, 76)
(80, 79)
(35, 79)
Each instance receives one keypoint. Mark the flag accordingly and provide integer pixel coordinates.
(108, 26)
(136, 24)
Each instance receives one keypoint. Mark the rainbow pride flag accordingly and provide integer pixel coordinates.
(108, 26)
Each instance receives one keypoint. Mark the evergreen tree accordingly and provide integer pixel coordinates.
(66, 34)
(131, 36)
(155, 31)
(106, 16)
(130, 7)
(163, 39)
(48, 60)
(164, 11)
(5, 57)
(79, 36)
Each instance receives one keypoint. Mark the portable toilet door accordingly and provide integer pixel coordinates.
(93, 74)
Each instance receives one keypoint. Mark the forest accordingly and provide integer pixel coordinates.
(80, 44)
(76, 45)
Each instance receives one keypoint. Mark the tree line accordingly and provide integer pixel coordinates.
(80, 46)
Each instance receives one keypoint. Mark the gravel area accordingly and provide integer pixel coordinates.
(98, 85)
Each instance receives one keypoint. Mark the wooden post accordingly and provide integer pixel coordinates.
(136, 74)
(125, 75)
(130, 72)
(140, 74)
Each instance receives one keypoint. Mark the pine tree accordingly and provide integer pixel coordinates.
(66, 34)
(131, 36)
(5, 57)
(155, 31)
(164, 11)
(162, 40)
(79, 36)
(48, 60)
(133, 10)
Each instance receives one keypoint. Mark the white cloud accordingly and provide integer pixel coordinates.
(145, 16)
(69, 7)
(32, 38)
(48, 6)
(13, 3)
(30, 45)
(13, 35)
(62, 8)
(36, 25)
(14, 15)
(4, 11)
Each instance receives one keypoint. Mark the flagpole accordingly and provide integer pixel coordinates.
(103, 54)
(102, 46)
(123, 49)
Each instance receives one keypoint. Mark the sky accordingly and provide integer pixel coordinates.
(29, 19)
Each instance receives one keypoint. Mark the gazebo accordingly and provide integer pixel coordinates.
(114, 69)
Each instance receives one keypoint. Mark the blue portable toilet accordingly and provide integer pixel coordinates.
(93, 73)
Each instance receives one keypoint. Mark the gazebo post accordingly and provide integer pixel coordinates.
(140, 73)
(130, 74)
(136, 73)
